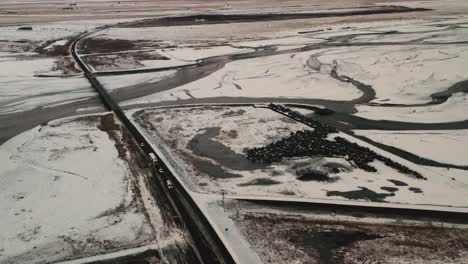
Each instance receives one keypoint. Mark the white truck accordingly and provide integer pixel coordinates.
(153, 158)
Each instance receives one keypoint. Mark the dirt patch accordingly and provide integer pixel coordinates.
(232, 113)
(232, 134)
(147, 257)
(415, 190)
(389, 189)
(66, 65)
(260, 182)
(95, 45)
(288, 238)
(362, 194)
(398, 183)
(122, 61)
(107, 124)
(56, 50)
(315, 175)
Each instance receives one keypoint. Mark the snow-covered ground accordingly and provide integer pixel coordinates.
(11, 37)
(454, 109)
(175, 130)
(23, 91)
(112, 82)
(54, 208)
(402, 74)
(170, 57)
(280, 76)
(406, 73)
(447, 146)
(71, 189)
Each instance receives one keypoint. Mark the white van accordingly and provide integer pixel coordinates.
(169, 184)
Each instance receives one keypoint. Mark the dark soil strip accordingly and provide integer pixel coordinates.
(398, 183)
(415, 190)
(327, 243)
(99, 45)
(362, 194)
(389, 189)
(315, 175)
(359, 210)
(204, 19)
(260, 182)
(147, 257)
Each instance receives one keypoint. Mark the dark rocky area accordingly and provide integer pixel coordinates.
(308, 143)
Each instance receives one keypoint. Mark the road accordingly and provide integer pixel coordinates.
(210, 247)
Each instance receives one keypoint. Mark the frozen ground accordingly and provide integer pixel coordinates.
(23, 90)
(73, 188)
(402, 74)
(306, 62)
(120, 81)
(153, 58)
(207, 146)
(452, 110)
(280, 76)
(378, 67)
(450, 145)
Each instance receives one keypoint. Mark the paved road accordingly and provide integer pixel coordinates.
(210, 247)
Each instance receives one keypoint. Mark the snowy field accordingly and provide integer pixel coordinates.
(403, 75)
(207, 146)
(451, 111)
(72, 189)
(280, 76)
(23, 89)
(427, 55)
(77, 188)
(450, 144)
(120, 81)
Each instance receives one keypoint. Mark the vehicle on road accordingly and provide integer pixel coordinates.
(169, 184)
(153, 158)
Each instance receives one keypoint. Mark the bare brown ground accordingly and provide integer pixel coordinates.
(37, 11)
(297, 239)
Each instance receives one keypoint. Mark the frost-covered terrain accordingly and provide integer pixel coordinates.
(277, 76)
(208, 145)
(379, 88)
(454, 109)
(73, 188)
(23, 90)
(451, 144)
(120, 81)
